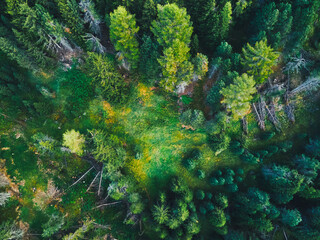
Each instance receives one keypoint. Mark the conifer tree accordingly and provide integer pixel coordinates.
(172, 23)
(74, 141)
(282, 182)
(69, 11)
(259, 60)
(149, 14)
(173, 31)
(225, 20)
(123, 32)
(237, 96)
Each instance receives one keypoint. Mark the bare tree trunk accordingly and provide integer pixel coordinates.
(108, 204)
(93, 181)
(82, 177)
(100, 181)
(245, 125)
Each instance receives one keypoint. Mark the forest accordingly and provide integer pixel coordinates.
(160, 119)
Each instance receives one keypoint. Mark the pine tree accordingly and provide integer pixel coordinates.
(225, 20)
(259, 60)
(149, 14)
(80, 232)
(16, 54)
(74, 141)
(148, 56)
(282, 182)
(10, 231)
(123, 32)
(172, 24)
(13, 6)
(238, 95)
(290, 218)
(69, 11)
(106, 79)
(172, 61)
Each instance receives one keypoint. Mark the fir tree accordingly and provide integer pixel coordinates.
(123, 32)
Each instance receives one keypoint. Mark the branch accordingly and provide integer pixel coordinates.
(93, 181)
(107, 204)
(81, 177)
(100, 182)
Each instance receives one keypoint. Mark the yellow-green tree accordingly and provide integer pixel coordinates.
(237, 96)
(174, 64)
(123, 32)
(259, 60)
(74, 141)
(173, 32)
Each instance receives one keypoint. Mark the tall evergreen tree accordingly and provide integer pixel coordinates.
(259, 60)
(238, 95)
(123, 32)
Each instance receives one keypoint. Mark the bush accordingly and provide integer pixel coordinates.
(267, 135)
(200, 194)
(232, 187)
(201, 174)
(214, 181)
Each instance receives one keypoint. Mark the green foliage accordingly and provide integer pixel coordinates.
(74, 141)
(69, 11)
(290, 218)
(148, 56)
(77, 89)
(217, 218)
(282, 182)
(237, 96)
(160, 214)
(259, 60)
(308, 167)
(175, 65)
(201, 174)
(313, 148)
(106, 79)
(194, 118)
(52, 226)
(123, 32)
(172, 24)
(108, 150)
(149, 13)
(9, 230)
(173, 32)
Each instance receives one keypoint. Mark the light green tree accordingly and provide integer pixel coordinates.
(173, 31)
(225, 20)
(259, 60)
(173, 62)
(123, 32)
(160, 213)
(237, 96)
(74, 141)
(172, 23)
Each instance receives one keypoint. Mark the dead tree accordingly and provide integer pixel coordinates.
(245, 125)
(272, 115)
(312, 83)
(81, 177)
(91, 184)
(260, 111)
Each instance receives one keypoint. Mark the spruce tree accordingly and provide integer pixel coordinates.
(259, 60)
(123, 33)
(237, 96)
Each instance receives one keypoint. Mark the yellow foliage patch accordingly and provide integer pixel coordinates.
(111, 113)
(136, 167)
(145, 93)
